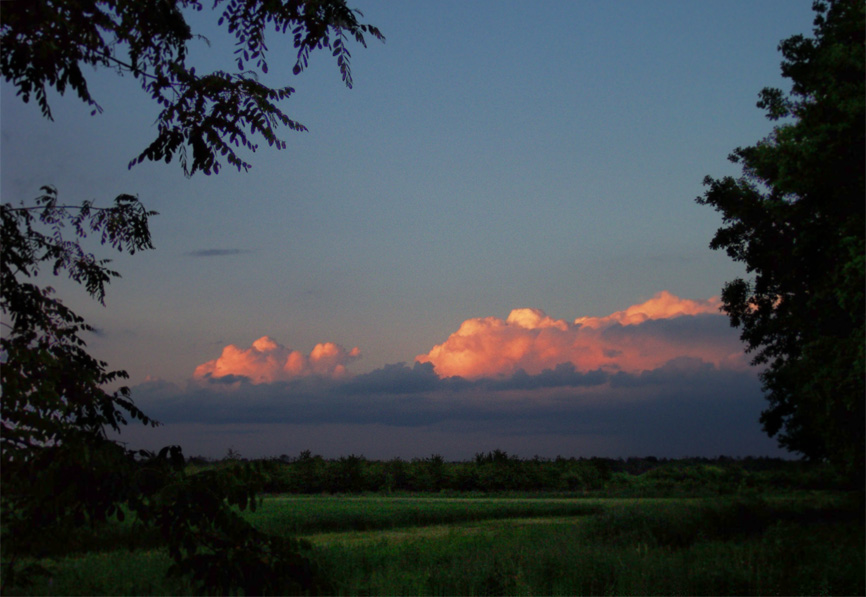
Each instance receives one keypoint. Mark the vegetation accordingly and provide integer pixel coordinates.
(59, 471)
(788, 542)
(796, 220)
(71, 496)
(46, 44)
(645, 548)
(497, 472)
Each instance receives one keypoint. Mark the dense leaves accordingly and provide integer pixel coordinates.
(52, 388)
(496, 472)
(210, 542)
(47, 44)
(59, 468)
(796, 220)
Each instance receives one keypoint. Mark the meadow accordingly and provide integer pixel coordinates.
(788, 543)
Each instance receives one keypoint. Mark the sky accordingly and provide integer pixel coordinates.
(490, 242)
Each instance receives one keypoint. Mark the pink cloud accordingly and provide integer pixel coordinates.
(267, 361)
(663, 305)
(531, 340)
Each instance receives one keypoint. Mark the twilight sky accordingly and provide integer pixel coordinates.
(490, 242)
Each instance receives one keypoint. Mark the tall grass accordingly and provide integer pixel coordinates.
(305, 515)
(118, 572)
(658, 549)
(806, 544)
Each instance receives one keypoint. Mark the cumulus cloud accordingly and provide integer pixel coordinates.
(667, 376)
(267, 361)
(686, 407)
(663, 305)
(642, 337)
(413, 395)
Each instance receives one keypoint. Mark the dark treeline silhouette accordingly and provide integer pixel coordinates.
(498, 471)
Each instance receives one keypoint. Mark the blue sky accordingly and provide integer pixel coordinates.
(492, 156)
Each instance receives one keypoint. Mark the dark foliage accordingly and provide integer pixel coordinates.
(213, 544)
(59, 468)
(48, 44)
(796, 220)
(52, 388)
(309, 474)
(53, 447)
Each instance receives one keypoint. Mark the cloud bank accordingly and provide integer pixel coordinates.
(636, 339)
(666, 377)
(266, 361)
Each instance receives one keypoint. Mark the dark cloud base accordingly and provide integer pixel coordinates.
(685, 408)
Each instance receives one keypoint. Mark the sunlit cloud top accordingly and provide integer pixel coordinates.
(642, 337)
(267, 361)
(513, 380)
(530, 340)
(663, 305)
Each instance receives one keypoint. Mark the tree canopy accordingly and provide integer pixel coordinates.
(58, 466)
(46, 44)
(795, 218)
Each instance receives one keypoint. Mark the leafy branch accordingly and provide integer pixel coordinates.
(204, 117)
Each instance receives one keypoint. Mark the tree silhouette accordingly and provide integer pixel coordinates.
(58, 468)
(53, 447)
(796, 220)
(47, 43)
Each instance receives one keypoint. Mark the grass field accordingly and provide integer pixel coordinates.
(796, 544)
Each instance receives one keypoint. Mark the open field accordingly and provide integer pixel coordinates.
(798, 543)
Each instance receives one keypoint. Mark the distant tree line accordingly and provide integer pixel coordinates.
(498, 471)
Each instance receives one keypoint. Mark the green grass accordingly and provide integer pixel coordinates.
(308, 515)
(792, 545)
(118, 572)
(656, 547)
